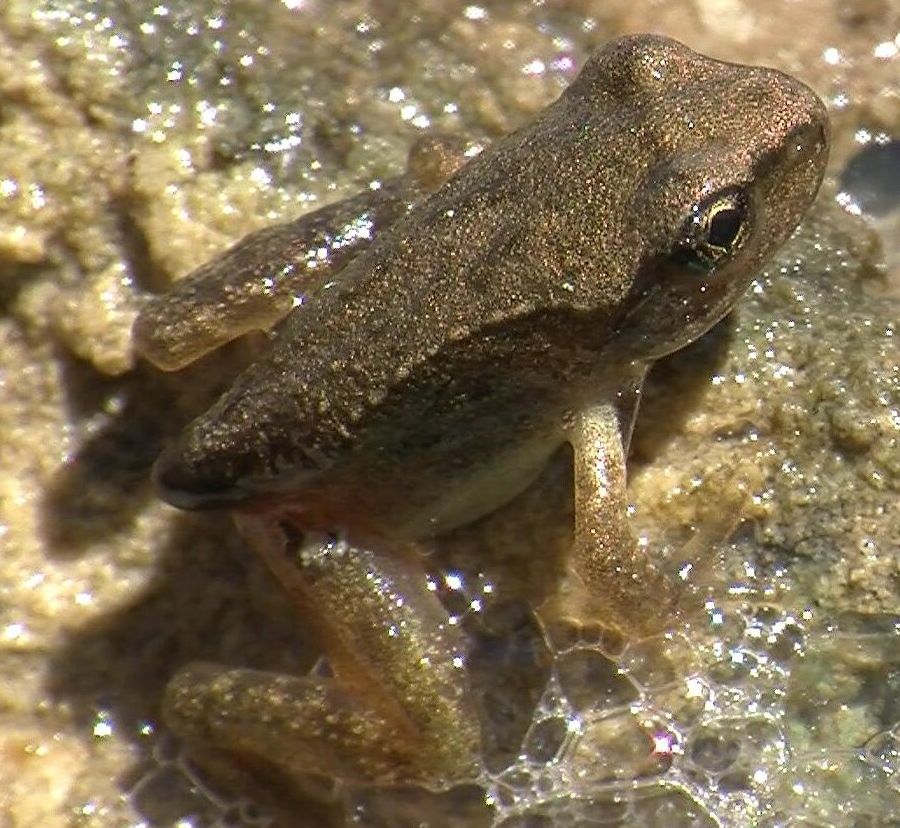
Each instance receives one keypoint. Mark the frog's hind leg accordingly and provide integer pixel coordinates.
(611, 577)
(273, 726)
(394, 654)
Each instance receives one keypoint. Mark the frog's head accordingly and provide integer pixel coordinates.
(726, 160)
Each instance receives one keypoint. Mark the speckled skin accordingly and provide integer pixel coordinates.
(474, 312)
(515, 309)
(256, 283)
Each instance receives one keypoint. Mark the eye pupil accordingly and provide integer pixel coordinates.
(714, 231)
(725, 226)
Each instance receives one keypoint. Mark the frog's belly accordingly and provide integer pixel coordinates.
(414, 494)
(441, 500)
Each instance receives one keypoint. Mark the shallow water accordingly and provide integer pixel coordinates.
(135, 141)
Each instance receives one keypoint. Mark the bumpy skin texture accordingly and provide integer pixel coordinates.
(513, 310)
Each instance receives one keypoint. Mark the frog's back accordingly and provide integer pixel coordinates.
(501, 292)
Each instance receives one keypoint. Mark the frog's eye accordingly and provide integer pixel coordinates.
(714, 230)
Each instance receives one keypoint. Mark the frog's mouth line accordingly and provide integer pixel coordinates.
(673, 304)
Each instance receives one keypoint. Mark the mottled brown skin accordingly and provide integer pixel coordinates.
(515, 309)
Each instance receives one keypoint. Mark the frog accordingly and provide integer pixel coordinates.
(507, 303)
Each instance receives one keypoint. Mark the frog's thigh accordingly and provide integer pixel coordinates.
(387, 639)
(614, 579)
(296, 725)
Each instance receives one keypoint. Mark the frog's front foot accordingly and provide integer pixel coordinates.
(600, 588)
(610, 578)
(396, 709)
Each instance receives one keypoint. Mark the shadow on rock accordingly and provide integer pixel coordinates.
(99, 491)
(675, 387)
(210, 600)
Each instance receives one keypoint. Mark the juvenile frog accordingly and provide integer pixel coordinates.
(427, 379)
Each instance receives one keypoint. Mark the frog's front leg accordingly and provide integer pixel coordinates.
(258, 281)
(396, 709)
(610, 578)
